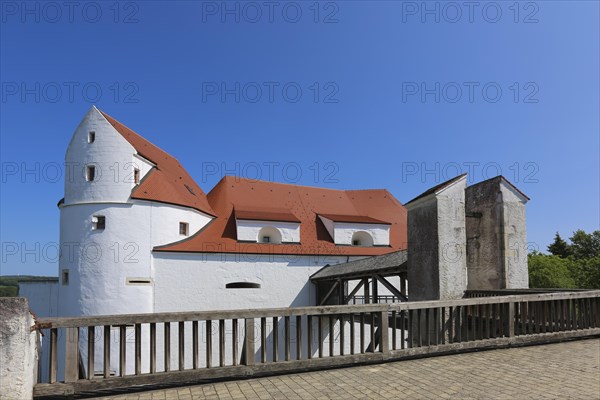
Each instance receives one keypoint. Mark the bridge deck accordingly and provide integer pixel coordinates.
(562, 370)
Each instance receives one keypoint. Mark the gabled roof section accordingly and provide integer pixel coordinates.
(265, 214)
(168, 182)
(365, 267)
(306, 204)
(437, 188)
(360, 219)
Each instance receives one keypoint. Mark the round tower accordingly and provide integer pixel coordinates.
(105, 262)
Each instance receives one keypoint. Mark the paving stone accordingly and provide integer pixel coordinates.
(568, 370)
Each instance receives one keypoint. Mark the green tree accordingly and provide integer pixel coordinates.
(559, 247)
(549, 271)
(585, 245)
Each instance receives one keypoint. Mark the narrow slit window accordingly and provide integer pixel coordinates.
(65, 276)
(91, 136)
(242, 285)
(98, 222)
(136, 175)
(90, 173)
(138, 281)
(184, 228)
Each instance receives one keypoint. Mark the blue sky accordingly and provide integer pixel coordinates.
(345, 94)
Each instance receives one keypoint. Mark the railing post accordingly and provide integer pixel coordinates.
(249, 341)
(72, 355)
(511, 319)
(384, 346)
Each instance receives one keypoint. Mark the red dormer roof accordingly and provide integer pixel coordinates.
(168, 182)
(259, 198)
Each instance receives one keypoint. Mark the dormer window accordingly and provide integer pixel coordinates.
(90, 173)
(98, 222)
(136, 175)
(269, 234)
(362, 238)
(91, 136)
(184, 228)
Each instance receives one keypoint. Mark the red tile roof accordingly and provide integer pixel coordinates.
(169, 182)
(361, 219)
(266, 214)
(305, 203)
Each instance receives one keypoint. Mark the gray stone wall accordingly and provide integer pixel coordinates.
(18, 349)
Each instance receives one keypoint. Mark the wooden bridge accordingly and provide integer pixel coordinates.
(120, 351)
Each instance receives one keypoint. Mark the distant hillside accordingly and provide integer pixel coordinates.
(9, 284)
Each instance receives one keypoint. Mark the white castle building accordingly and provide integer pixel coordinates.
(138, 235)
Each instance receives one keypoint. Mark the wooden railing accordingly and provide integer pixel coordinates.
(106, 352)
(380, 299)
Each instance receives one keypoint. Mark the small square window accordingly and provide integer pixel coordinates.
(136, 175)
(91, 137)
(356, 243)
(90, 173)
(98, 222)
(65, 276)
(184, 228)
(266, 239)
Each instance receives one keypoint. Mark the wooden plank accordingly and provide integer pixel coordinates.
(106, 351)
(195, 337)
(138, 349)
(403, 319)
(372, 332)
(122, 350)
(366, 292)
(320, 335)
(53, 354)
(354, 291)
(64, 322)
(181, 345)
(330, 322)
(342, 323)
(275, 335)
(391, 288)
(510, 317)
(153, 348)
(298, 337)
(362, 332)
(352, 333)
(384, 341)
(249, 337)
(234, 341)
(394, 327)
(91, 331)
(167, 346)
(286, 337)
(309, 337)
(209, 344)
(72, 355)
(221, 343)
(263, 340)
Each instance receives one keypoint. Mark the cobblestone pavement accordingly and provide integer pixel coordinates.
(569, 370)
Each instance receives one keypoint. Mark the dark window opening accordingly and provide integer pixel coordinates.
(184, 228)
(242, 285)
(90, 173)
(136, 175)
(266, 239)
(99, 222)
(356, 243)
(65, 276)
(91, 137)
